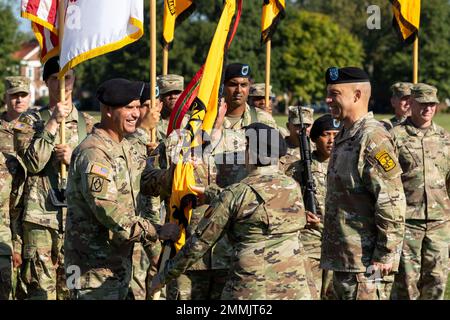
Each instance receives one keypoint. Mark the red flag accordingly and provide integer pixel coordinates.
(43, 15)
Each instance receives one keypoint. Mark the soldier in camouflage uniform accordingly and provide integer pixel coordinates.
(170, 88)
(257, 97)
(365, 203)
(221, 166)
(149, 208)
(293, 140)
(400, 102)
(37, 141)
(322, 134)
(12, 173)
(102, 194)
(262, 216)
(424, 155)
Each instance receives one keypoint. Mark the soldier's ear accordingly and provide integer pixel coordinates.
(357, 95)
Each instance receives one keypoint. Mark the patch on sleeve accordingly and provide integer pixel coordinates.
(385, 160)
(99, 170)
(21, 126)
(97, 184)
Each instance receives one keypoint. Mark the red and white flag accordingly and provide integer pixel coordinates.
(43, 15)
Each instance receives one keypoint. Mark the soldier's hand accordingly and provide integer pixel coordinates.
(155, 285)
(312, 219)
(151, 118)
(61, 112)
(217, 132)
(384, 268)
(17, 260)
(63, 153)
(169, 231)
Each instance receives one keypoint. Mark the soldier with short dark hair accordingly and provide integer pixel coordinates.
(323, 133)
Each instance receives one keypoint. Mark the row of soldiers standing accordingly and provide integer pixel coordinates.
(258, 227)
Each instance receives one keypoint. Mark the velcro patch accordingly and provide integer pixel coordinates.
(97, 184)
(99, 170)
(20, 126)
(385, 160)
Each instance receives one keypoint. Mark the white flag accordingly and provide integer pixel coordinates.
(93, 28)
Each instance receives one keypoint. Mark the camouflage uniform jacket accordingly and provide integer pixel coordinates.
(425, 160)
(365, 204)
(13, 176)
(6, 246)
(262, 217)
(102, 220)
(35, 145)
(292, 155)
(392, 122)
(319, 173)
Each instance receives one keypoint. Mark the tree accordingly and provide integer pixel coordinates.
(387, 59)
(8, 42)
(309, 43)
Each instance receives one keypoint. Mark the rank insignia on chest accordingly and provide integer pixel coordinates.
(385, 160)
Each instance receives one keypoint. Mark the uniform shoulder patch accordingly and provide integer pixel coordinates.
(385, 160)
(99, 170)
(21, 126)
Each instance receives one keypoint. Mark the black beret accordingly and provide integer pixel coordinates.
(146, 93)
(119, 92)
(324, 123)
(50, 67)
(264, 143)
(335, 75)
(237, 70)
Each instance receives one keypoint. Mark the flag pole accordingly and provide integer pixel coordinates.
(62, 87)
(152, 62)
(416, 60)
(267, 86)
(165, 68)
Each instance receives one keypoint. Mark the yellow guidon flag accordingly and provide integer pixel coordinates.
(407, 17)
(272, 12)
(175, 11)
(204, 113)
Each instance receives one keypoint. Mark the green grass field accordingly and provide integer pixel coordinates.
(442, 119)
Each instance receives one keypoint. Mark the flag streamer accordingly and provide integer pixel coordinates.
(406, 18)
(272, 12)
(204, 112)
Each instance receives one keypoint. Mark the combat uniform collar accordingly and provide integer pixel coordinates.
(413, 131)
(264, 171)
(245, 120)
(110, 146)
(346, 134)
